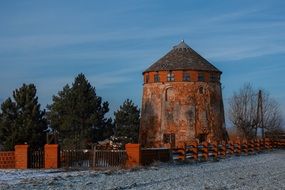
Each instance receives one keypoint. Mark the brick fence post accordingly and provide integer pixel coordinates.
(51, 156)
(134, 154)
(21, 156)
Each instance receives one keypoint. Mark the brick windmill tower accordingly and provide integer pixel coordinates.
(182, 100)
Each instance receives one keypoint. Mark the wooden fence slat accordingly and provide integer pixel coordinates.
(231, 147)
(205, 150)
(215, 149)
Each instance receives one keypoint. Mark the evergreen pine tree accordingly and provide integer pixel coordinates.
(22, 120)
(127, 121)
(78, 114)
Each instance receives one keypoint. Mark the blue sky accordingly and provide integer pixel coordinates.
(49, 42)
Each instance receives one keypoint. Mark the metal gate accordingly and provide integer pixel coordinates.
(36, 158)
(76, 158)
(93, 158)
(109, 158)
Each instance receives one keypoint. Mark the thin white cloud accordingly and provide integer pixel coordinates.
(230, 16)
(102, 80)
(108, 79)
(227, 35)
(227, 53)
(98, 54)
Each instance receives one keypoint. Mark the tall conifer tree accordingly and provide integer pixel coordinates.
(127, 121)
(78, 114)
(22, 120)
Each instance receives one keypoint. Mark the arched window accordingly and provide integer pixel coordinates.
(168, 93)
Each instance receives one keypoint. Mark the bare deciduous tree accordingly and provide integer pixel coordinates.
(272, 116)
(246, 115)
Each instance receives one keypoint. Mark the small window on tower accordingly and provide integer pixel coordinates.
(213, 77)
(156, 77)
(170, 76)
(146, 78)
(201, 77)
(186, 76)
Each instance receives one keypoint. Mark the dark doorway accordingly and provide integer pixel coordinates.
(169, 138)
(202, 138)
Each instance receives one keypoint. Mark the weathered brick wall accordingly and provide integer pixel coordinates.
(7, 159)
(186, 109)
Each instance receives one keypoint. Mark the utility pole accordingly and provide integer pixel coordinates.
(260, 113)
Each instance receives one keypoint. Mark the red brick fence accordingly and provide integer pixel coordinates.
(52, 157)
(133, 155)
(19, 159)
(7, 159)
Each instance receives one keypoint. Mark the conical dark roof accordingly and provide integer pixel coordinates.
(182, 57)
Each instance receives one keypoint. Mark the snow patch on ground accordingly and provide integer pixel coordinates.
(262, 171)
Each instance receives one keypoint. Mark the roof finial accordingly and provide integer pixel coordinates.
(181, 46)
